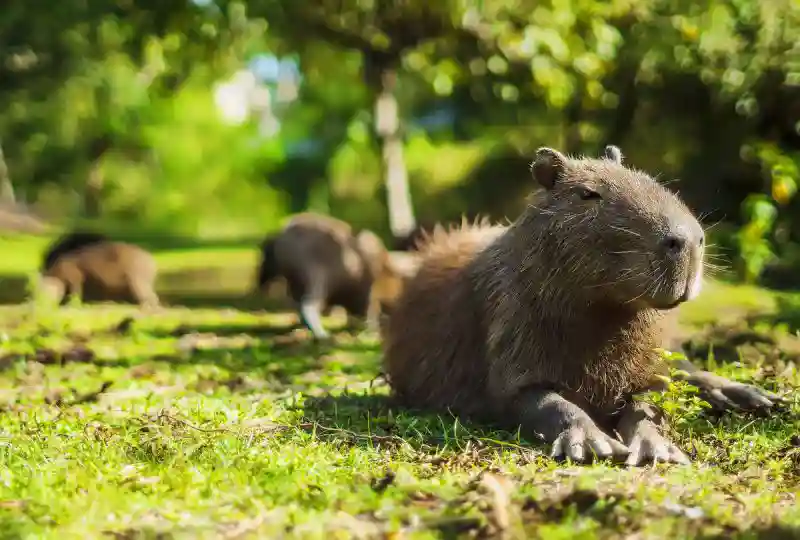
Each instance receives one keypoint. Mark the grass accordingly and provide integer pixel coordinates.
(216, 422)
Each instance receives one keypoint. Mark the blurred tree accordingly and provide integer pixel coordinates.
(381, 32)
(703, 92)
(85, 84)
(6, 187)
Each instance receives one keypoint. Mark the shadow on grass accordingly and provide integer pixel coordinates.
(286, 363)
(769, 336)
(13, 526)
(13, 289)
(279, 335)
(196, 288)
(280, 357)
(767, 532)
(783, 275)
(787, 313)
(221, 300)
(738, 343)
(377, 420)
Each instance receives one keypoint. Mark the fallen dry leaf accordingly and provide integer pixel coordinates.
(498, 489)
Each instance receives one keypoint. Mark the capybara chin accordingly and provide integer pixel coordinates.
(552, 323)
(325, 264)
(91, 267)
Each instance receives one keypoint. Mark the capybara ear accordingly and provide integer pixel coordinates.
(613, 153)
(547, 166)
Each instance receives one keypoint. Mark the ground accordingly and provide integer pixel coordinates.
(219, 420)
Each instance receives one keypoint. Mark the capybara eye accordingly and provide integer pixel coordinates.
(587, 194)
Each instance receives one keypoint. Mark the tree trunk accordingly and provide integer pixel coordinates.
(6, 187)
(395, 174)
(92, 193)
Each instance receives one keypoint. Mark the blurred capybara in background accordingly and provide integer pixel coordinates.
(69, 243)
(94, 268)
(325, 264)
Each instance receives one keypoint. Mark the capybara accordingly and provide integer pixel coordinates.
(71, 242)
(552, 323)
(95, 269)
(325, 264)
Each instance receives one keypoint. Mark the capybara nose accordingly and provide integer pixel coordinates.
(681, 238)
(674, 243)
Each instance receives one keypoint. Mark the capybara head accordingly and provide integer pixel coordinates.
(616, 231)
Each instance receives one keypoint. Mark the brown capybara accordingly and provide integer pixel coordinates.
(69, 243)
(95, 269)
(325, 264)
(552, 324)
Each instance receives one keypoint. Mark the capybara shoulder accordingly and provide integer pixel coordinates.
(69, 243)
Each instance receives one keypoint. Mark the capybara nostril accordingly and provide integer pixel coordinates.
(674, 243)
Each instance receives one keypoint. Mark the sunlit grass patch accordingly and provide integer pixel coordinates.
(214, 422)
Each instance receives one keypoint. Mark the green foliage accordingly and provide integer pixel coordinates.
(130, 118)
(703, 92)
(761, 211)
(198, 182)
(754, 247)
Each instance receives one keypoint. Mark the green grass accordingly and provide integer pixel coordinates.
(223, 423)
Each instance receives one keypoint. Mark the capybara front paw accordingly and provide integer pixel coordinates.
(649, 446)
(584, 441)
(727, 395)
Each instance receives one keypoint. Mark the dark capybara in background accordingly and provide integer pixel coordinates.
(552, 323)
(93, 268)
(324, 265)
(267, 269)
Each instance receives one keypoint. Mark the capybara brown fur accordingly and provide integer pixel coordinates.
(418, 236)
(95, 269)
(552, 323)
(325, 264)
(71, 242)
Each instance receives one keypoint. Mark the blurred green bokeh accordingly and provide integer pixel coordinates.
(111, 111)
